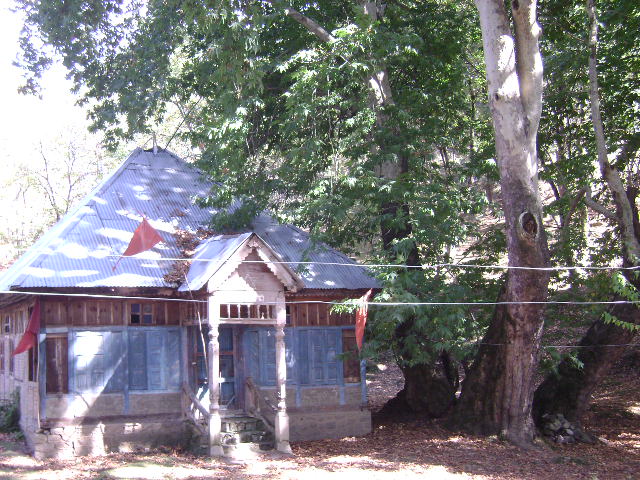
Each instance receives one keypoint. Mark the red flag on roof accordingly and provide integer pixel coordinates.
(144, 238)
(30, 337)
(361, 317)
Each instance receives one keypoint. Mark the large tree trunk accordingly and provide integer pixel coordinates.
(427, 391)
(569, 390)
(429, 387)
(497, 394)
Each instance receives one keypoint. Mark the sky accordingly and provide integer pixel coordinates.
(25, 122)
(25, 119)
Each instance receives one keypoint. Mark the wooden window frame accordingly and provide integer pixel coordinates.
(12, 361)
(350, 360)
(32, 373)
(57, 367)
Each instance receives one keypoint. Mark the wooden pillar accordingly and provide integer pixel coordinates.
(215, 424)
(282, 419)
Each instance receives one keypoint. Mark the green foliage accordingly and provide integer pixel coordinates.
(567, 147)
(10, 414)
(286, 123)
(426, 330)
(628, 292)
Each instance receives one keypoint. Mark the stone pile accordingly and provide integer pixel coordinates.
(560, 430)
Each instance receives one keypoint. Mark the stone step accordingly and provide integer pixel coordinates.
(243, 437)
(241, 424)
(245, 451)
(249, 436)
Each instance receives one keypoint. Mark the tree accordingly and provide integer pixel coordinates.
(327, 114)
(497, 394)
(46, 180)
(568, 391)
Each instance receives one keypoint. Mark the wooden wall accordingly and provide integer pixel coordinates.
(18, 372)
(316, 314)
(71, 312)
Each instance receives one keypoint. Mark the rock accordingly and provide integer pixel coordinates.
(582, 436)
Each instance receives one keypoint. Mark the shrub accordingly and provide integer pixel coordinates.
(10, 414)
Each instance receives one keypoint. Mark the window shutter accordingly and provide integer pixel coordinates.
(269, 356)
(290, 357)
(225, 339)
(89, 352)
(137, 360)
(155, 360)
(303, 357)
(318, 354)
(173, 359)
(331, 356)
(56, 355)
(252, 346)
(115, 361)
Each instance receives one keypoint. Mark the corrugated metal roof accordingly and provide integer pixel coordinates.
(217, 250)
(81, 250)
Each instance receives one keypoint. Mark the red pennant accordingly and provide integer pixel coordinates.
(30, 337)
(144, 238)
(361, 317)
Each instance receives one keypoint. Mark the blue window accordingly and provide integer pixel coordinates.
(154, 359)
(100, 360)
(312, 355)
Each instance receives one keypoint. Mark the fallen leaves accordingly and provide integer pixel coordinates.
(409, 450)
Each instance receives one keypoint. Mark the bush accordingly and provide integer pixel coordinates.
(10, 414)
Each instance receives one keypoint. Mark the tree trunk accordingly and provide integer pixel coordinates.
(427, 391)
(569, 390)
(429, 387)
(497, 394)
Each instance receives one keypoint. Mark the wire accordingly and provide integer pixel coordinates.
(306, 302)
(379, 265)
(97, 295)
(394, 265)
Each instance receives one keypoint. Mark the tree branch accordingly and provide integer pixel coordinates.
(598, 207)
(528, 61)
(611, 175)
(306, 22)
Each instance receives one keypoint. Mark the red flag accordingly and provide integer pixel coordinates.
(30, 337)
(144, 238)
(361, 317)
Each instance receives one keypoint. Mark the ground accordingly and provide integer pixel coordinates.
(410, 449)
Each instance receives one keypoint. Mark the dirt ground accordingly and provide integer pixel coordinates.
(408, 450)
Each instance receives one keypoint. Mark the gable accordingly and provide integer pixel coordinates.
(225, 263)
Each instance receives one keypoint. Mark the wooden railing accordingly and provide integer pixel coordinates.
(193, 408)
(259, 405)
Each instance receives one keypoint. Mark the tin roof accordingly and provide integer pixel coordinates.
(82, 249)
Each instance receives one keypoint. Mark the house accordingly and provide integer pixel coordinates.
(124, 350)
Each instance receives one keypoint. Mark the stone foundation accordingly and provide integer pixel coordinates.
(317, 425)
(110, 436)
